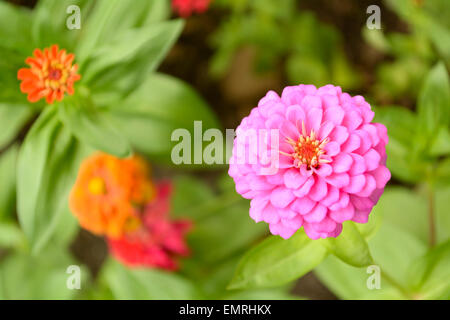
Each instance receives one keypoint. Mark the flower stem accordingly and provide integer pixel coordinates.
(431, 219)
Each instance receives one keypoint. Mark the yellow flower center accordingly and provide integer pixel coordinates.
(131, 224)
(308, 149)
(97, 186)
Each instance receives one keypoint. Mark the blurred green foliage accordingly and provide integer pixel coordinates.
(311, 51)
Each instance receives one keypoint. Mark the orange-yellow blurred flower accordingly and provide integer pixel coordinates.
(110, 192)
(50, 76)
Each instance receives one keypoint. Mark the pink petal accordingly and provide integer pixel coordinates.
(366, 141)
(324, 170)
(353, 142)
(326, 129)
(293, 179)
(289, 130)
(303, 205)
(317, 214)
(318, 190)
(370, 186)
(373, 133)
(352, 120)
(339, 134)
(270, 214)
(295, 114)
(356, 184)
(310, 232)
(281, 230)
(259, 183)
(334, 114)
(294, 223)
(359, 165)
(342, 163)
(381, 175)
(303, 190)
(325, 226)
(257, 205)
(314, 117)
(361, 216)
(372, 159)
(276, 179)
(332, 196)
(338, 180)
(287, 212)
(330, 101)
(332, 148)
(281, 197)
(343, 214)
(344, 199)
(361, 203)
(310, 102)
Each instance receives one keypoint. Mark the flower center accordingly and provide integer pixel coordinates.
(97, 186)
(54, 74)
(308, 149)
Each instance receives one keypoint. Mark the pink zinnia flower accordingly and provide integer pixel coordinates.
(330, 161)
(185, 8)
(156, 241)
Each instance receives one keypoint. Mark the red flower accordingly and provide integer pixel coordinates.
(50, 75)
(158, 241)
(185, 8)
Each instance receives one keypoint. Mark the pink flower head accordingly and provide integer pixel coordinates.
(157, 241)
(186, 8)
(329, 160)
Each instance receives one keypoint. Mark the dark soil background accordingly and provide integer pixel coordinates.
(233, 96)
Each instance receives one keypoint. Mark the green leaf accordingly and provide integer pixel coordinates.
(127, 46)
(47, 167)
(442, 217)
(394, 250)
(441, 143)
(142, 284)
(10, 235)
(276, 261)
(12, 119)
(227, 229)
(350, 246)
(92, 127)
(403, 156)
(405, 209)
(107, 17)
(434, 100)
(114, 83)
(8, 183)
(38, 277)
(430, 274)
(350, 283)
(188, 194)
(162, 104)
(15, 26)
(49, 23)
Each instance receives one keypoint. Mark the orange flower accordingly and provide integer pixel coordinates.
(109, 193)
(50, 76)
